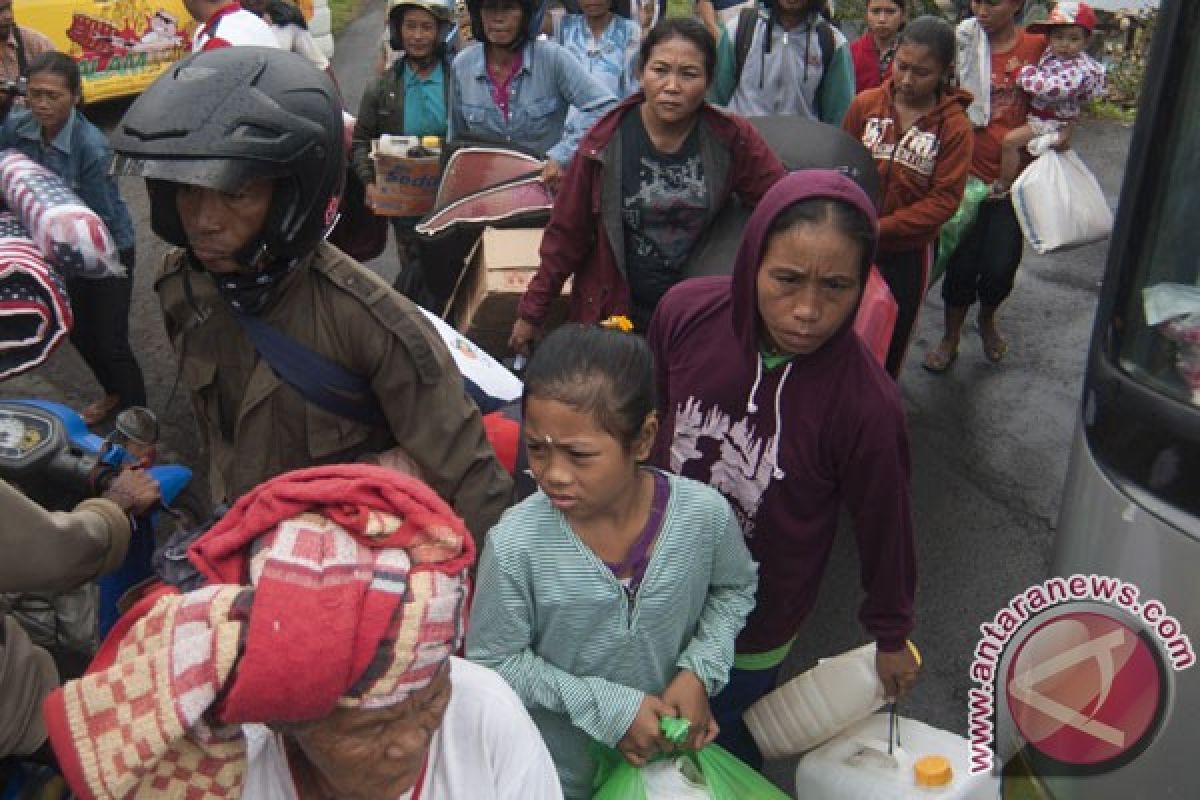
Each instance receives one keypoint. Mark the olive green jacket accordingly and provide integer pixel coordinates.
(381, 111)
(255, 426)
(44, 550)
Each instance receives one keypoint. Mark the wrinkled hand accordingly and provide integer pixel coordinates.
(134, 491)
(521, 336)
(898, 671)
(1064, 138)
(688, 699)
(552, 174)
(644, 740)
(371, 198)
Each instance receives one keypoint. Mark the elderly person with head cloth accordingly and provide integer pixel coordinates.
(315, 662)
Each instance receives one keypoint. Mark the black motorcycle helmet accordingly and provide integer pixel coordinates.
(534, 11)
(221, 118)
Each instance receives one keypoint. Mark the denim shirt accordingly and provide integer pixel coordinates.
(546, 87)
(611, 59)
(80, 155)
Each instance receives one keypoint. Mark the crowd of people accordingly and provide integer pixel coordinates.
(693, 441)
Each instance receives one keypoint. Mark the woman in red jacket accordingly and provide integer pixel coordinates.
(874, 51)
(916, 127)
(648, 181)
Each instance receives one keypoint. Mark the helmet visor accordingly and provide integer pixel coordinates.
(222, 174)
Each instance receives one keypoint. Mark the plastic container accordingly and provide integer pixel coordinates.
(928, 764)
(814, 706)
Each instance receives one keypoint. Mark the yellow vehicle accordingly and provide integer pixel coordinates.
(121, 45)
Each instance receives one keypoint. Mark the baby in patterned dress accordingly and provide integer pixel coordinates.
(1063, 80)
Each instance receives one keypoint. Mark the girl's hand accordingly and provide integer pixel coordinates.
(644, 740)
(898, 671)
(552, 174)
(688, 699)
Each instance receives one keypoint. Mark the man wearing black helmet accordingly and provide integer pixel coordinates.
(293, 353)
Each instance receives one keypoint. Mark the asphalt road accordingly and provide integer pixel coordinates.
(989, 442)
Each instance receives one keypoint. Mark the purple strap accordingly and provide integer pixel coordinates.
(638, 558)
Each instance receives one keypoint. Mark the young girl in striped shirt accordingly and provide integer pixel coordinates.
(612, 597)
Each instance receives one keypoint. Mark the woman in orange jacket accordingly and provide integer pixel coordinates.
(916, 127)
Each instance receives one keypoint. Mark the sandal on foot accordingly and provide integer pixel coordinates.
(994, 349)
(102, 409)
(939, 359)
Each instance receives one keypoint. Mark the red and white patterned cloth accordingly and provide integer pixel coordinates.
(70, 235)
(1058, 88)
(338, 586)
(35, 313)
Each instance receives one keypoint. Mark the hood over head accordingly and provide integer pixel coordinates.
(791, 189)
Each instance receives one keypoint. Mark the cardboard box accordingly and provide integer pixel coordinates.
(407, 186)
(499, 268)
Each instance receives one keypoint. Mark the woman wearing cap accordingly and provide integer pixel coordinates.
(605, 40)
(318, 663)
(408, 99)
(512, 88)
(651, 178)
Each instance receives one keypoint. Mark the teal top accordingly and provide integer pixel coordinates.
(552, 619)
(424, 103)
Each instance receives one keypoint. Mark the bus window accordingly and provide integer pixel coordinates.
(1161, 345)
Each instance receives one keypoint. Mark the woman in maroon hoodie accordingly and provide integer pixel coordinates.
(768, 395)
(916, 128)
(646, 184)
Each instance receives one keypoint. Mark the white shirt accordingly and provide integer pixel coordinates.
(232, 26)
(487, 748)
(297, 40)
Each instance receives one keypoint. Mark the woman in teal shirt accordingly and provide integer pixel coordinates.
(409, 99)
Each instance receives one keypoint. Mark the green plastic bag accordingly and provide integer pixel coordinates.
(725, 777)
(957, 227)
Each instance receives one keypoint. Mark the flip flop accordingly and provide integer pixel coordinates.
(938, 360)
(102, 409)
(995, 350)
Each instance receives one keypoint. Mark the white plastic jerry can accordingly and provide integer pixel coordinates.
(928, 764)
(817, 704)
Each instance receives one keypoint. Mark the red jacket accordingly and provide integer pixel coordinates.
(585, 235)
(923, 171)
(865, 54)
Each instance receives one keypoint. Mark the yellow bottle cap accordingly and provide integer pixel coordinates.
(933, 771)
(431, 142)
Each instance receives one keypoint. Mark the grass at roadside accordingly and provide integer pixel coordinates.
(342, 11)
(1106, 109)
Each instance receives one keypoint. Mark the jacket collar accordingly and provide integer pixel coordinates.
(481, 73)
(597, 139)
(30, 128)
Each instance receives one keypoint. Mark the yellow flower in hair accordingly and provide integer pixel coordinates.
(618, 323)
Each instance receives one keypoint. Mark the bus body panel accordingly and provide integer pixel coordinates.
(1107, 529)
(121, 46)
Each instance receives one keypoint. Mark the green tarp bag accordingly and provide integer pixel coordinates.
(957, 227)
(710, 772)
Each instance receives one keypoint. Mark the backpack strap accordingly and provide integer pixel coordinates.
(743, 37)
(319, 380)
(828, 44)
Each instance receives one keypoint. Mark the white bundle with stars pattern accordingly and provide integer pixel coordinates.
(69, 234)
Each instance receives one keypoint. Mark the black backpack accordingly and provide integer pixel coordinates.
(744, 37)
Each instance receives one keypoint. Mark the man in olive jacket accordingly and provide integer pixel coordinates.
(44, 551)
(249, 212)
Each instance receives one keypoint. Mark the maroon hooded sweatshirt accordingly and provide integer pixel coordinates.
(789, 446)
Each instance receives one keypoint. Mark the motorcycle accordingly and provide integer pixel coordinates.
(48, 452)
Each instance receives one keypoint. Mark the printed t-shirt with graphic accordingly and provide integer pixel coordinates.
(664, 200)
(1010, 104)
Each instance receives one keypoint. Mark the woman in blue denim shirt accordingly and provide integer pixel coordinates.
(53, 133)
(605, 40)
(513, 88)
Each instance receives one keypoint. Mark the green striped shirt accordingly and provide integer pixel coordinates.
(551, 618)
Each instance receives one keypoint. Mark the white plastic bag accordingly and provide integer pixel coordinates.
(1059, 204)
